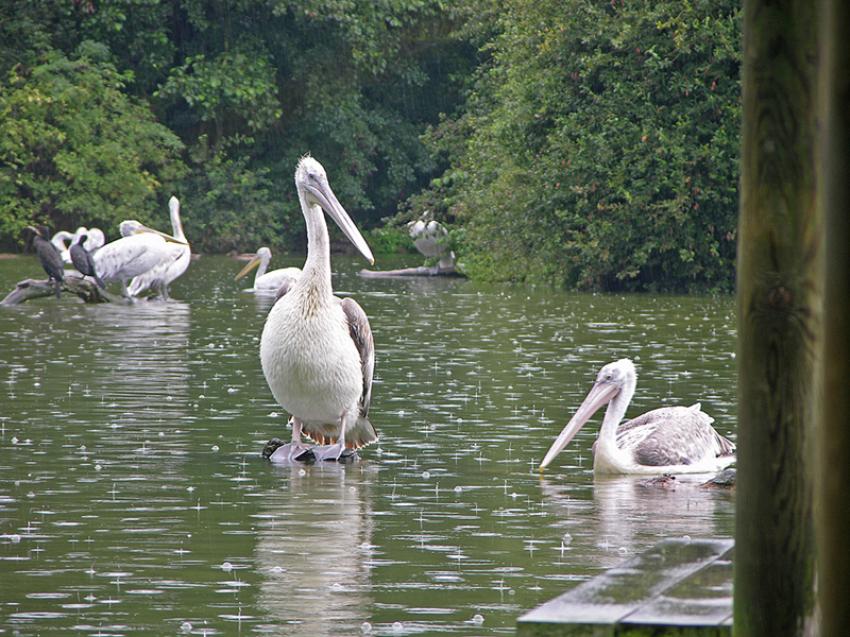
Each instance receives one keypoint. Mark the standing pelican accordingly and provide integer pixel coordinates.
(172, 265)
(667, 440)
(83, 261)
(138, 250)
(49, 256)
(316, 350)
(267, 281)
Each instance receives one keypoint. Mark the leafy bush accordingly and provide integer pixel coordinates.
(231, 206)
(75, 149)
(389, 240)
(600, 147)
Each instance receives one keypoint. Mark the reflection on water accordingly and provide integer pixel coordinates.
(628, 513)
(132, 497)
(315, 545)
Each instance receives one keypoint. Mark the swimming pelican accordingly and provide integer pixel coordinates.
(138, 250)
(172, 266)
(267, 281)
(83, 261)
(667, 440)
(316, 349)
(49, 256)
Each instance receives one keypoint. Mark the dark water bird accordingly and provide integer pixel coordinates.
(316, 350)
(82, 260)
(668, 440)
(49, 256)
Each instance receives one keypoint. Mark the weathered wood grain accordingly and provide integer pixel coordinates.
(779, 321)
(833, 448)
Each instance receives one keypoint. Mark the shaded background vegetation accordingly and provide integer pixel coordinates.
(591, 144)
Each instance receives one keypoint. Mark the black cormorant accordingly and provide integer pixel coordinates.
(49, 256)
(82, 260)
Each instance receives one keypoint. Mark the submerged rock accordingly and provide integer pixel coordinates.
(723, 480)
(666, 481)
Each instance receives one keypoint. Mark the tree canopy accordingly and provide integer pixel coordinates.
(585, 143)
(600, 147)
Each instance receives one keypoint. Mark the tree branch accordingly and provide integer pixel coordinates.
(73, 284)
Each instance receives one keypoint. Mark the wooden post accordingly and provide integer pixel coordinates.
(779, 297)
(833, 439)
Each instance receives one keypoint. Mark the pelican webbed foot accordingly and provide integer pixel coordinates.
(334, 453)
(278, 452)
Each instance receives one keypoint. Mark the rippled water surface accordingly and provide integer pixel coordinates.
(133, 498)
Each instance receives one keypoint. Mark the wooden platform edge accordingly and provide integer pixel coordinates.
(594, 608)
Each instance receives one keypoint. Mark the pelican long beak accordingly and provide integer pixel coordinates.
(326, 198)
(143, 228)
(253, 263)
(34, 229)
(600, 394)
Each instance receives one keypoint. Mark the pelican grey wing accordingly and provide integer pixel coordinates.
(361, 334)
(157, 278)
(670, 436)
(113, 259)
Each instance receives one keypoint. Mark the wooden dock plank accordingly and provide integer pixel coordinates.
(702, 599)
(676, 579)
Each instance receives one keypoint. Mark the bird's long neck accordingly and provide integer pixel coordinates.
(614, 414)
(176, 223)
(317, 268)
(261, 270)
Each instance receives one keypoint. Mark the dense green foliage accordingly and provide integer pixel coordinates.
(74, 146)
(247, 86)
(589, 143)
(600, 147)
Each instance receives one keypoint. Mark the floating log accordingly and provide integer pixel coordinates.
(87, 290)
(410, 272)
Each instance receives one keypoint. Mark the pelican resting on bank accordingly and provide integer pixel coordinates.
(267, 281)
(138, 250)
(95, 239)
(316, 349)
(429, 237)
(63, 240)
(172, 265)
(60, 241)
(667, 440)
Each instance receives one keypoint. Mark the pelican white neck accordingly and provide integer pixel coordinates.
(176, 223)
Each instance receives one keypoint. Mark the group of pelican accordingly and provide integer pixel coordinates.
(145, 258)
(92, 239)
(317, 355)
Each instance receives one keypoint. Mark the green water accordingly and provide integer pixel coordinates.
(133, 499)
